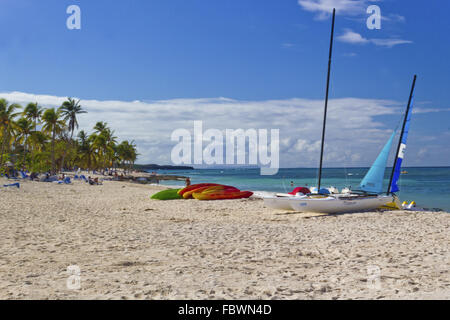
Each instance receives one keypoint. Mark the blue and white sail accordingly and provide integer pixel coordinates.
(373, 181)
(401, 152)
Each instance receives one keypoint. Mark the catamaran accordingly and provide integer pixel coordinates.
(370, 195)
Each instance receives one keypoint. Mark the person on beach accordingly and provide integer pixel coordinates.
(188, 182)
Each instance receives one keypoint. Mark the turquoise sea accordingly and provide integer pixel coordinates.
(429, 187)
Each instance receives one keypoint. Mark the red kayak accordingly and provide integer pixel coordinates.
(188, 194)
(195, 186)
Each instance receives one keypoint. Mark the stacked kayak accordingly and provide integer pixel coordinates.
(214, 192)
(204, 191)
(225, 194)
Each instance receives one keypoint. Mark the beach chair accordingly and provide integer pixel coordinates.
(16, 185)
(52, 179)
(82, 177)
(23, 175)
(67, 180)
(10, 178)
(76, 177)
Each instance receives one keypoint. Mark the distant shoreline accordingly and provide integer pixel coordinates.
(169, 167)
(159, 167)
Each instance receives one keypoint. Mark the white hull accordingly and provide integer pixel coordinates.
(278, 203)
(338, 204)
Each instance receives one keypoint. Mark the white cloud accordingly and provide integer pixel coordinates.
(354, 133)
(393, 17)
(389, 42)
(325, 7)
(429, 110)
(352, 37)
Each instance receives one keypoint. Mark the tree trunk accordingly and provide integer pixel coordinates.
(3, 146)
(69, 144)
(53, 150)
(24, 152)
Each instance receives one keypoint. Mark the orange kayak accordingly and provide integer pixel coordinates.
(226, 194)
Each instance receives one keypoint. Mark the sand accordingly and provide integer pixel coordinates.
(127, 246)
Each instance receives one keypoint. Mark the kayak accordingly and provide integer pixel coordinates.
(196, 186)
(188, 194)
(170, 194)
(226, 194)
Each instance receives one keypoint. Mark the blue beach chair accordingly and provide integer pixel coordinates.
(10, 178)
(17, 185)
(23, 175)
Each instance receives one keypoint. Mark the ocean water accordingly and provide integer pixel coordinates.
(429, 187)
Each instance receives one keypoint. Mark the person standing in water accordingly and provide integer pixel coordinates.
(188, 182)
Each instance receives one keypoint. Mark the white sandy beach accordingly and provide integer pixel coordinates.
(130, 247)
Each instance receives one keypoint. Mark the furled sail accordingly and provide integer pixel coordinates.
(373, 181)
(401, 153)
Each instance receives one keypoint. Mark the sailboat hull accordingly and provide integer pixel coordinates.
(278, 203)
(339, 204)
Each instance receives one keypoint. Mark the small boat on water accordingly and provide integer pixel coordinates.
(370, 195)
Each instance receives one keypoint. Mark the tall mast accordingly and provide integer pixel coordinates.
(408, 108)
(326, 101)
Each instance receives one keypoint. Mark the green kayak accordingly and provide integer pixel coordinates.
(170, 194)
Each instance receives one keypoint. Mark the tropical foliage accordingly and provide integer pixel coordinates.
(42, 140)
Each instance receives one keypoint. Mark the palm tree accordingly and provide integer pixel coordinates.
(24, 128)
(69, 110)
(111, 141)
(127, 153)
(104, 142)
(100, 127)
(54, 141)
(53, 124)
(86, 149)
(7, 115)
(33, 112)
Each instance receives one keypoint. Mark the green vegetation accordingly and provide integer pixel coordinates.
(42, 140)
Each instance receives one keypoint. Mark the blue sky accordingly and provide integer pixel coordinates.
(247, 50)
